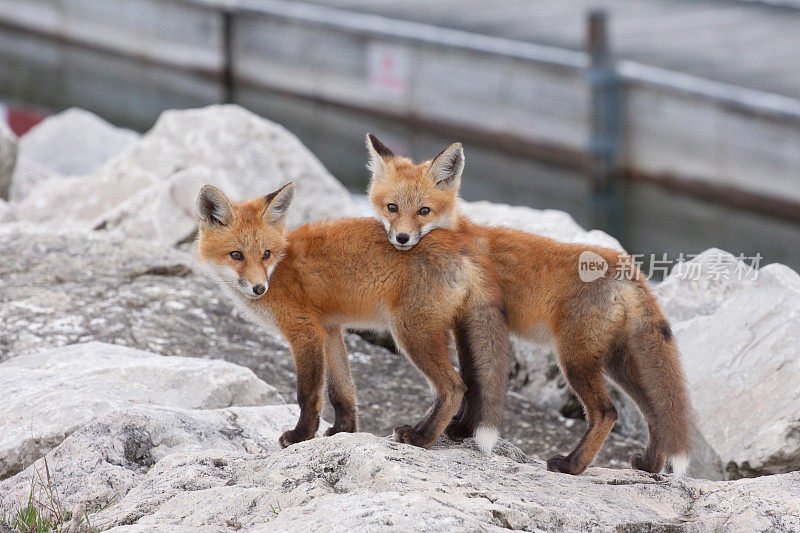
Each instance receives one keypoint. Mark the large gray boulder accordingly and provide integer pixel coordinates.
(738, 330)
(164, 212)
(27, 174)
(74, 142)
(146, 190)
(74, 202)
(104, 459)
(550, 223)
(60, 288)
(168, 469)
(8, 159)
(50, 394)
(365, 483)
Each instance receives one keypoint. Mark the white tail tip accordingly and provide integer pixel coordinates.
(680, 464)
(485, 437)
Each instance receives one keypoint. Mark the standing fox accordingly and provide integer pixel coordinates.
(611, 325)
(322, 277)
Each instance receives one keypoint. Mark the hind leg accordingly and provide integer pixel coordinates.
(428, 351)
(465, 421)
(584, 375)
(460, 428)
(341, 389)
(652, 460)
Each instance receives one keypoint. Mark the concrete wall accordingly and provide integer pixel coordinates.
(674, 125)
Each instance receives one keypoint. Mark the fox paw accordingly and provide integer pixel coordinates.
(458, 430)
(333, 430)
(409, 435)
(290, 437)
(640, 462)
(561, 463)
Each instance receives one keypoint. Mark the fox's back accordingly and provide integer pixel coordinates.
(537, 274)
(348, 265)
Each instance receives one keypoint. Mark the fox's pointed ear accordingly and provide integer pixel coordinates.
(446, 168)
(379, 157)
(213, 207)
(277, 205)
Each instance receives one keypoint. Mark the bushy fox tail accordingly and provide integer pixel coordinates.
(650, 372)
(484, 350)
(671, 425)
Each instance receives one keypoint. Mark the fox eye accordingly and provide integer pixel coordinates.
(237, 256)
(266, 256)
(392, 208)
(424, 211)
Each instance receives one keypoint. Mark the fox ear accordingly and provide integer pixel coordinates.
(446, 168)
(379, 156)
(277, 205)
(213, 207)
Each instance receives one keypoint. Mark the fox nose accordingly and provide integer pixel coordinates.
(402, 238)
(259, 289)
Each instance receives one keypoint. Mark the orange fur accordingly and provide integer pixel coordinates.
(609, 325)
(325, 276)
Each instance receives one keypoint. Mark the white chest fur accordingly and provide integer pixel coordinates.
(253, 311)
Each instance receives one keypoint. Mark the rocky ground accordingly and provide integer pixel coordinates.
(143, 399)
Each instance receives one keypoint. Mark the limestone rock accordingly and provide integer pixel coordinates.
(8, 158)
(50, 394)
(27, 174)
(168, 469)
(74, 142)
(164, 212)
(60, 288)
(6, 212)
(75, 202)
(145, 190)
(103, 460)
(557, 225)
(738, 331)
(365, 483)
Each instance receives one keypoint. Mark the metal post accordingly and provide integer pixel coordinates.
(227, 56)
(606, 123)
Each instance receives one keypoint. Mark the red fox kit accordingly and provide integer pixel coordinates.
(610, 325)
(316, 280)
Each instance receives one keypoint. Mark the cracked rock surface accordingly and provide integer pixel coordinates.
(365, 483)
(104, 459)
(50, 394)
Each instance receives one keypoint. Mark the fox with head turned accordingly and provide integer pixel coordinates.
(322, 277)
(611, 325)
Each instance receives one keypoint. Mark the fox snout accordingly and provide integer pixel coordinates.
(403, 240)
(252, 290)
